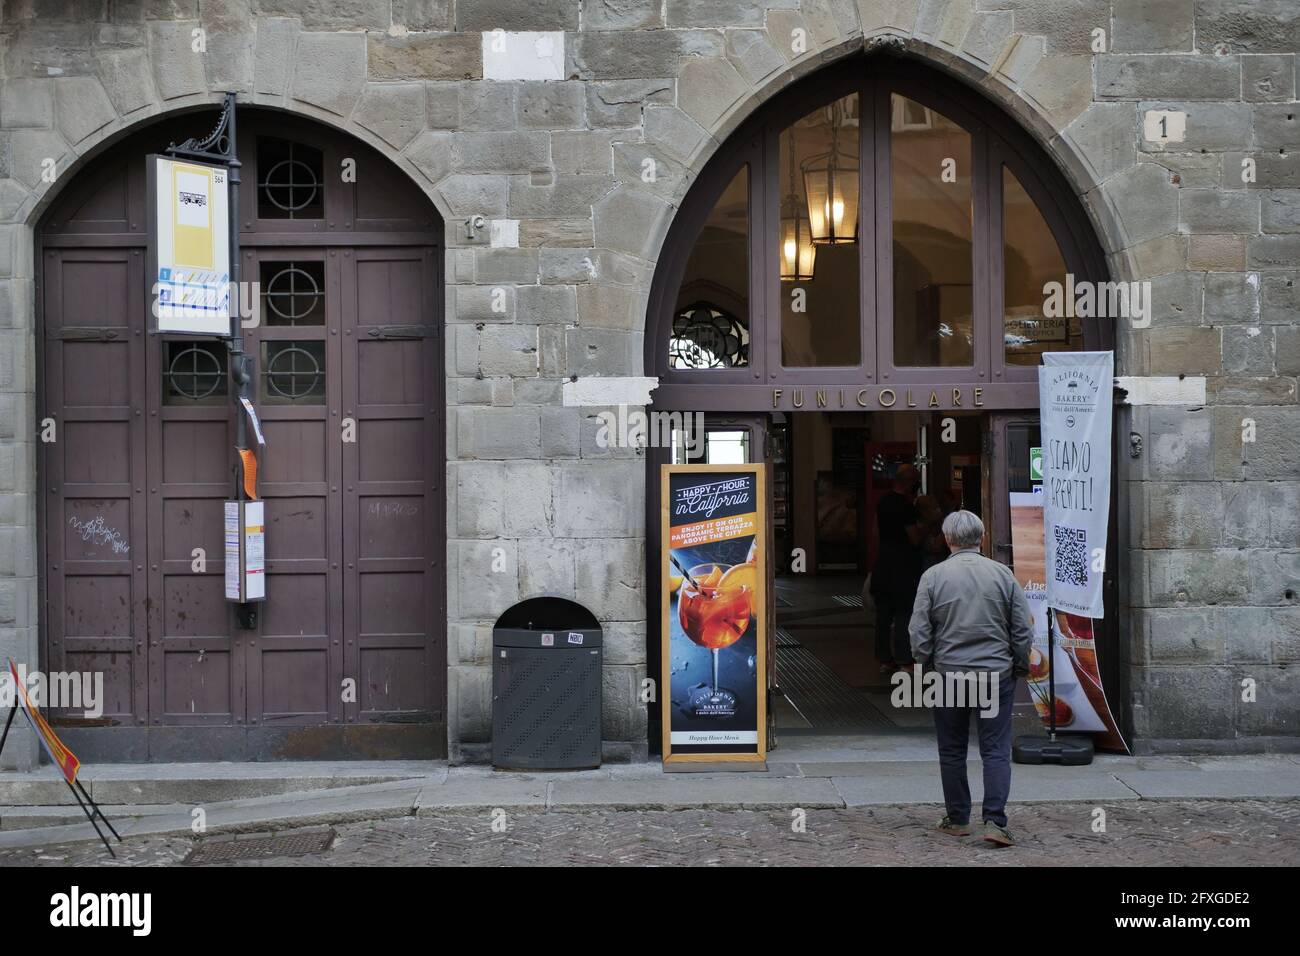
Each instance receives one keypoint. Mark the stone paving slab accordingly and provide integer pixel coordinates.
(123, 784)
(698, 790)
(1198, 784)
(1233, 764)
(914, 788)
(25, 818)
(475, 790)
(894, 768)
(884, 747)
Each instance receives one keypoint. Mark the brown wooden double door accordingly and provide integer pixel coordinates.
(351, 636)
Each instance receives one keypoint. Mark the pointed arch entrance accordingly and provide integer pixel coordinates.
(347, 657)
(863, 261)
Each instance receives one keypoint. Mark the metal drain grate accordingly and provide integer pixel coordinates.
(848, 600)
(262, 848)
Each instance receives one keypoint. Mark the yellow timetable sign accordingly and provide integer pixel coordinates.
(191, 195)
(189, 246)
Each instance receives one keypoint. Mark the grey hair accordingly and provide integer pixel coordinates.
(963, 529)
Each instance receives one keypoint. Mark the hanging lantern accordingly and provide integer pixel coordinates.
(831, 185)
(797, 250)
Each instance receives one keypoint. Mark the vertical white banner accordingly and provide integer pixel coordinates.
(1075, 402)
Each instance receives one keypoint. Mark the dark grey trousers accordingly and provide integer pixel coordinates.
(952, 728)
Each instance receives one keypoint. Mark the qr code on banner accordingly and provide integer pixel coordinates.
(1072, 556)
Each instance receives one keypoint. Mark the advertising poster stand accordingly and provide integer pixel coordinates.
(714, 616)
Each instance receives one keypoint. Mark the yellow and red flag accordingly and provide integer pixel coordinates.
(249, 459)
(64, 758)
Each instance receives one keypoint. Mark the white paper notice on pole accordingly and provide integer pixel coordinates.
(1075, 403)
(232, 550)
(253, 420)
(254, 551)
(189, 246)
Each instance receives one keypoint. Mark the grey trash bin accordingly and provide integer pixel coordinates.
(546, 681)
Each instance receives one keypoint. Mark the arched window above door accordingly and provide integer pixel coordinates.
(877, 223)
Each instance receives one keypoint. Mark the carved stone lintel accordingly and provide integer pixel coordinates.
(886, 43)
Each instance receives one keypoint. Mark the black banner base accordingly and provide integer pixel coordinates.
(1069, 750)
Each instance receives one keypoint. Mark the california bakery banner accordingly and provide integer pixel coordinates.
(1074, 399)
(714, 521)
(1081, 704)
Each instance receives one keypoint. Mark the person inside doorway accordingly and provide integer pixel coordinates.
(897, 570)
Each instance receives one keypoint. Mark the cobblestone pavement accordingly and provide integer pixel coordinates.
(1139, 833)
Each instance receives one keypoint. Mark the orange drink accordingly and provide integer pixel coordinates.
(714, 612)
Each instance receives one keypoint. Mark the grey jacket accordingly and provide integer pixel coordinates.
(970, 614)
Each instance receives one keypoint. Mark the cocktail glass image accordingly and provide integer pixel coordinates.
(714, 607)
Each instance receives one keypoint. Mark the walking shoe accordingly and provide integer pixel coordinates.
(953, 829)
(999, 836)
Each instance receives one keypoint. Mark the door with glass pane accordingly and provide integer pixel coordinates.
(1010, 440)
(390, 514)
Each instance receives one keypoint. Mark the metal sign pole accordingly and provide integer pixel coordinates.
(238, 360)
(220, 146)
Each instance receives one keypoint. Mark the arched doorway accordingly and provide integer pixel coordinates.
(856, 280)
(347, 655)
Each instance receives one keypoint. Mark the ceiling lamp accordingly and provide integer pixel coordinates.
(831, 184)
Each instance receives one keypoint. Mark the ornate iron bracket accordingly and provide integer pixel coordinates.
(217, 146)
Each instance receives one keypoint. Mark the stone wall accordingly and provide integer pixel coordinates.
(542, 128)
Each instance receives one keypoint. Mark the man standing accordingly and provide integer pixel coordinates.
(971, 617)
(898, 567)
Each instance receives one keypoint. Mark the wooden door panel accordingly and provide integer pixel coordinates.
(390, 372)
(194, 677)
(190, 523)
(197, 452)
(96, 374)
(391, 526)
(391, 521)
(93, 514)
(197, 685)
(295, 452)
(393, 447)
(301, 529)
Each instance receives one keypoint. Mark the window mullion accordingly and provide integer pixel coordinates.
(868, 195)
(764, 280)
(985, 258)
(883, 236)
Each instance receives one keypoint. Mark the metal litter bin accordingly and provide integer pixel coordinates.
(546, 682)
